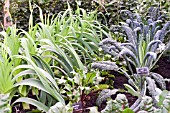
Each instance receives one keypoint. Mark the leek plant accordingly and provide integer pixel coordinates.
(51, 51)
(72, 38)
(6, 67)
(142, 50)
(44, 81)
(9, 47)
(68, 43)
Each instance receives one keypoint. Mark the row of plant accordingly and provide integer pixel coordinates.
(50, 61)
(55, 62)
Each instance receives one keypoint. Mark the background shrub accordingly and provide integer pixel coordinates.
(110, 9)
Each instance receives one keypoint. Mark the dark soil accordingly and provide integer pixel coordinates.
(19, 109)
(164, 69)
(87, 101)
(119, 82)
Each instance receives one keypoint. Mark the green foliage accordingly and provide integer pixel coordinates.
(49, 57)
(70, 40)
(34, 102)
(164, 101)
(146, 104)
(9, 47)
(46, 81)
(20, 9)
(131, 90)
(127, 110)
(4, 103)
(6, 67)
(5, 77)
(59, 108)
(146, 4)
(117, 106)
(112, 10)
(45, 57)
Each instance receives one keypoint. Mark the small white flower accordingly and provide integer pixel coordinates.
(100, 49)
(160, 48)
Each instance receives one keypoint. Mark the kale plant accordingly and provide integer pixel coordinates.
(143, 48)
